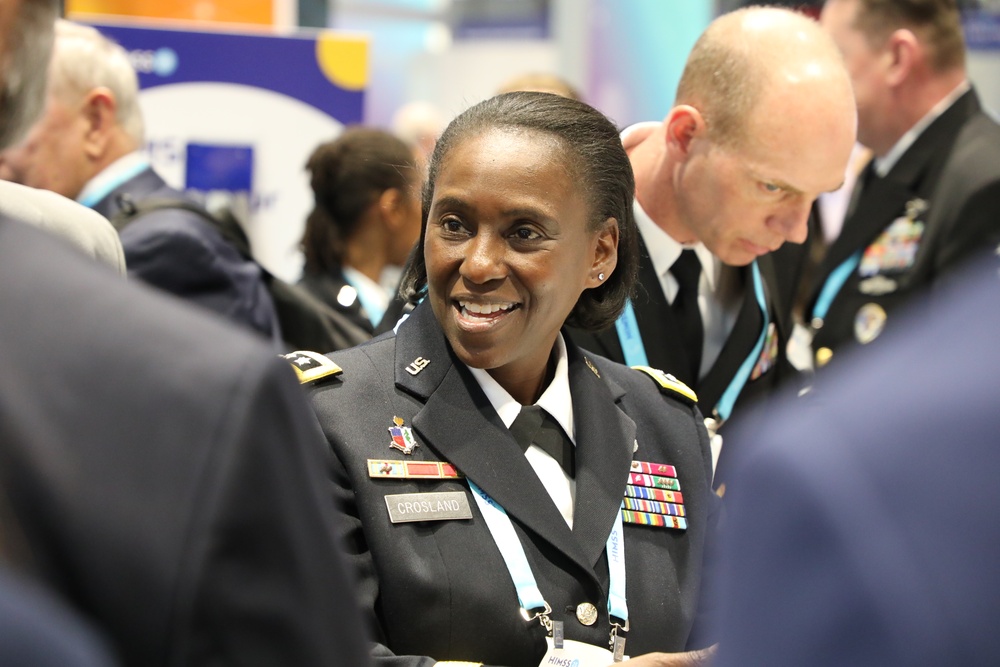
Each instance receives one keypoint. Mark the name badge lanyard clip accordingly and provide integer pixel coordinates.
(533, 605)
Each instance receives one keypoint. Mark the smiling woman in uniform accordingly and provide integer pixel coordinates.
(509, 496)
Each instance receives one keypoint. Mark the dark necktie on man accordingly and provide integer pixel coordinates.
(535, 426)
(687, 273)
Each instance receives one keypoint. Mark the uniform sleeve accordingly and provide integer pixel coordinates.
(268, 579)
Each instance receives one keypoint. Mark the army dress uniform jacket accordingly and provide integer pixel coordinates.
(662, 340)
(439, 590)
(938, 204)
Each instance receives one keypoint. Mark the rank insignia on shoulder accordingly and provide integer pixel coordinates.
(669, 384)
(311, 367)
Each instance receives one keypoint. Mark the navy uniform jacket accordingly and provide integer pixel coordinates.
(440, 588)
(954, 169)
(165, 471)
(179, 252)
(664, 349)
(864, 528)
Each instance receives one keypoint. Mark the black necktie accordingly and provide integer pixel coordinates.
(535, 426)
(687, 271)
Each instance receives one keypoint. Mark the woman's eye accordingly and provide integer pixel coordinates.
(770, 187)
(452, 225)
(526, 234)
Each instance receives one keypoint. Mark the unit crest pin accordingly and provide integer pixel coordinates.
(402, 436)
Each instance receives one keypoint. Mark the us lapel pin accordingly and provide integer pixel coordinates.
(417, 365)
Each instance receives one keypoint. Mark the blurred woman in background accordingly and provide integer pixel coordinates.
(365, 220)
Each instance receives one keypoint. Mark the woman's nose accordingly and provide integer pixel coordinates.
(484, 259)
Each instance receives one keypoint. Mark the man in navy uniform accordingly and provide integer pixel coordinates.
(764, 122)
(932, 193)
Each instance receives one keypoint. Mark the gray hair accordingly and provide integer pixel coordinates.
(83, 60)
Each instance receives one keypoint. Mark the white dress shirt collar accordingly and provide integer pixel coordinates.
(664, 250)
(558, 402)
(116, 173)
(556, 399)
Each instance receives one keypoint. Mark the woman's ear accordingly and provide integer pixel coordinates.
(389, 200)
(605, 254)
(392, 207)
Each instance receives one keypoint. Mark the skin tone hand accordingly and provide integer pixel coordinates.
(701, 658)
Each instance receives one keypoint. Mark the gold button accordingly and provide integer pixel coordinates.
(586, 613)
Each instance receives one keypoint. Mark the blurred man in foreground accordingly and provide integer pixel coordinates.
(863, 532)
(161, 471)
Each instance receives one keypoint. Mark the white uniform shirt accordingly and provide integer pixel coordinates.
(718, 315)
(558, 402)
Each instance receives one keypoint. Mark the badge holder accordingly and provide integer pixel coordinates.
(617, 642)
(575, 653)
(542, 616)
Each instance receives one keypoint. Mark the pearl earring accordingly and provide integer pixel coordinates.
(600, 276)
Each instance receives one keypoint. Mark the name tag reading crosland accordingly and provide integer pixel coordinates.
(441, 506)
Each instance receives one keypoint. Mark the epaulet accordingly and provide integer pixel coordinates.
(311, 367)
(669, 384)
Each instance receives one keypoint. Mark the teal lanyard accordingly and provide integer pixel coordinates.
(833, 285)
(528, 595)
(628, 335)
(732, 392)
(635, 352)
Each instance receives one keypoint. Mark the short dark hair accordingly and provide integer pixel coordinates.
(348, 175)
(938, 22)
(595, 160)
